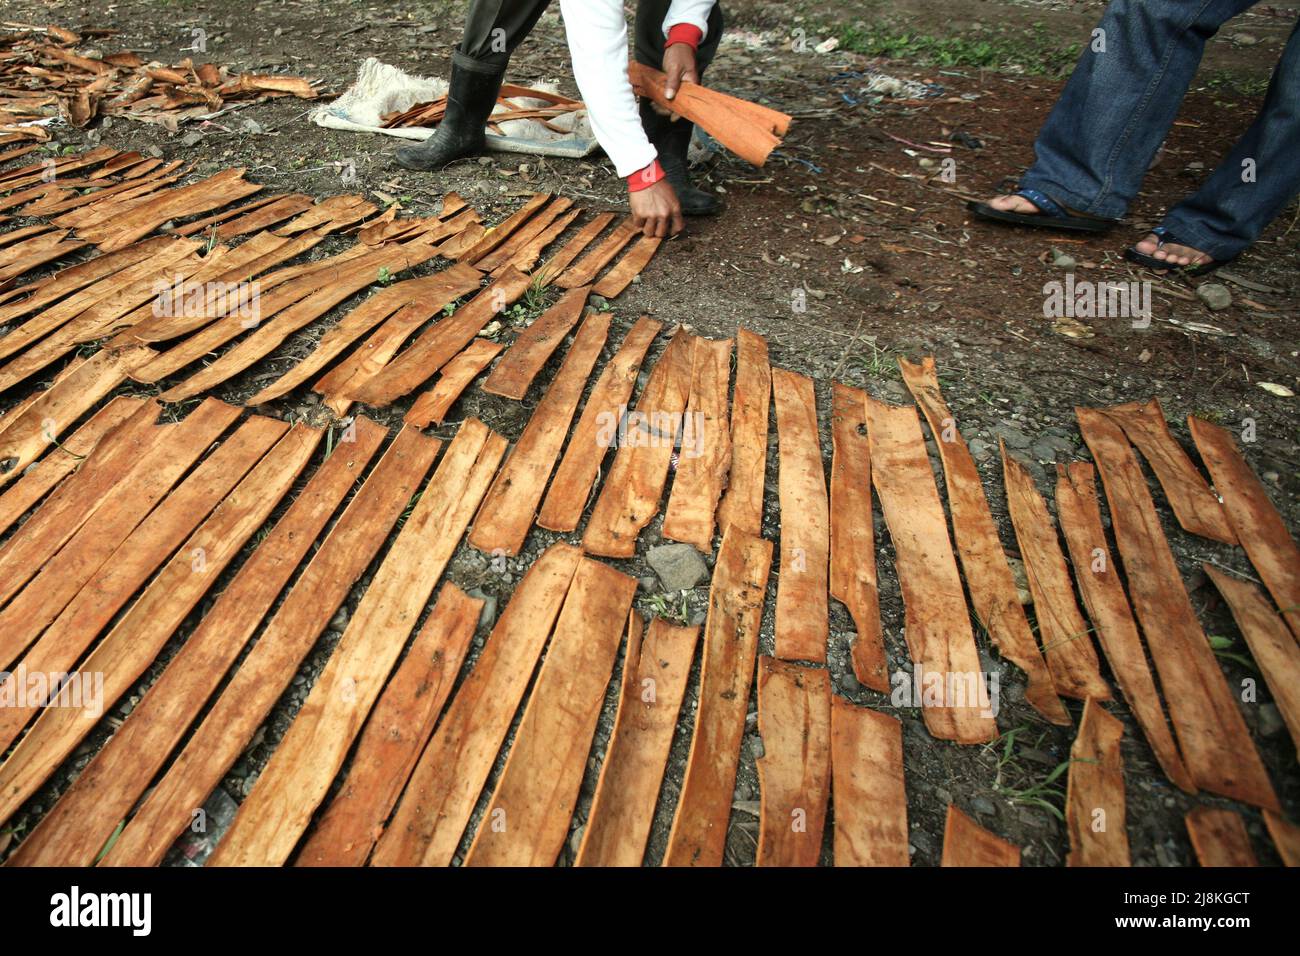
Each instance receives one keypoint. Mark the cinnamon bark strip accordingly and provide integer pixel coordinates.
(1094, 800)
(632, 491)
(947, 679)
(1108, 607)
(706, 449)
(794, 773)
(736, 594)
(591, 438)
(853, 551)
(988, 575)
(802, 613)
(655, 674)
(1194, 504)
(1065, 634)
(1211, 732)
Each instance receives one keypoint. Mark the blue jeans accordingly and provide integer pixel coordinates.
(1113, 114)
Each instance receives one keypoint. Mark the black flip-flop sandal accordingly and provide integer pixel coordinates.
(1164, 265)
(1051, 215)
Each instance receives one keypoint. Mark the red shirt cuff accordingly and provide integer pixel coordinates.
(687, 33)
(645, 177)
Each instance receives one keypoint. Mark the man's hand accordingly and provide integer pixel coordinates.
(656, 211)
(679, 67)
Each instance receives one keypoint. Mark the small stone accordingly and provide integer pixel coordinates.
(983, 806)
(679, 566)
(922, 841)
(1052, 445)
(1013, 436)
(1064, 261)
(191, 139)
(488, 615)
(1022, 581)
(1216, 297)
(848, 683)
(485, 160)
(979, 448)
(1049, 448)
(893, 389)
(340, 619)
(1031, 465)
(575, 839)
(1270, 721)
(698, 619)
(1011, 690)
(155, 151)
(1030, 817)
(648, 583)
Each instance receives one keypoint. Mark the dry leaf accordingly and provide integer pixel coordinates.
(1072, 328)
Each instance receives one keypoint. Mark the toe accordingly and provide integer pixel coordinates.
(1186, 256)
(1149, 245)
(1013, 204)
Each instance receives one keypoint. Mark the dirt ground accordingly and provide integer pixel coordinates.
(849, 249)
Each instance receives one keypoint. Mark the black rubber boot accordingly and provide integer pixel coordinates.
(671, 140)
(470, 98)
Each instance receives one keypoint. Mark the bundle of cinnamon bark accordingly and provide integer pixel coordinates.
(749, 130)
(47, 72)
(508, 108)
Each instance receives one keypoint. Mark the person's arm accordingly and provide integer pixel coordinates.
(597, 35)
(692, 13)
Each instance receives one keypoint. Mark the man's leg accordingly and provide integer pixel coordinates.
(1100, 138)
(672, 139)
(1251, 186)
(493, 28)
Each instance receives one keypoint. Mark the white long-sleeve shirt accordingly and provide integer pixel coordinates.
(597, 33)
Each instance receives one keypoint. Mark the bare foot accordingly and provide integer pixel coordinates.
(1172, 252)
(1013, 204)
